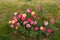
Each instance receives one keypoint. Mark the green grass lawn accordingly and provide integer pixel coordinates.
(8, 7)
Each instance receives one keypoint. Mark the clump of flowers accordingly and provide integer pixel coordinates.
(30, 23)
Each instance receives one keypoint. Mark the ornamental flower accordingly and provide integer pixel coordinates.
(29, 10)
(48, 16)
(18, 24)
(44, 29)
(28, 25)
(52, 21)
(34, 16)
(10, 22)
(32, 22)
(38, 18)
(15, 13)
(36, 28)
(19, 16)
(12, 26)
(39, 8)
(13, 21)
(35, 22)
(22, 18)
(41, 28)
(16, 20)
(24, 15)
(49, 31)
(29, 20)
(16, 27)
(25, 22)
(46, 23)
(32, 13)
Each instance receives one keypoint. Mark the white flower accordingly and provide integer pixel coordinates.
(10, 22)
(41, 28)
(32, 13)
(16, 27)
(46, 23)
(15, 13)
(24, 15)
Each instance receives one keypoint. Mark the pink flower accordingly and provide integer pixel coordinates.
(52, 21)
(34, 16)
(19, 16)
(18, 24)
(32, 22)
(36, 28)
(29, 10)
(13, 22)
(49, 31)
(25, 22)
(44, 29)
(16, 27)
(14, 18)
(48, 16)
(22, 18)
(35, 22)
(38, 18)
(28, 25)
(29, 20)
(12, 26)
(39, 8)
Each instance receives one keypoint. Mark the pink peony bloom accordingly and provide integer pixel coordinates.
(39, 8)
(52, 21)
(25, 22)
(14, 18)
(48, 16)
(29, 10)
(35, 22)
(19, 16)
(18, 24)
(38, 18)
(22, 18)
(34, 16)
(32, 22)
(49, 31)
(36, 28)
(12, 26)
(16, 27)
(29, 20)
(44, 29)
(13, 22)
(28, 25)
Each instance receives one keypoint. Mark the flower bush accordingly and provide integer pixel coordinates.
(29, 24)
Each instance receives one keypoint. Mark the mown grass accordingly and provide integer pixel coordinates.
(7, 8)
